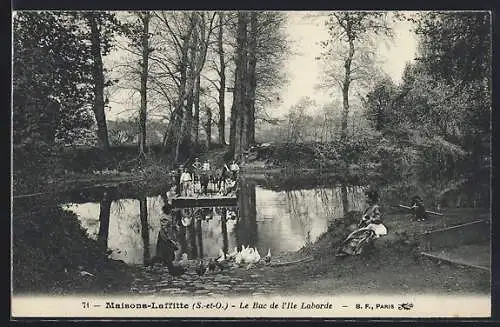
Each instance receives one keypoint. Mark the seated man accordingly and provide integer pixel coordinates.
(418, 208)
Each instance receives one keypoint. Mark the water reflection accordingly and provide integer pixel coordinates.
(143, 213)
(105, 209)
(246, 226)
(266, 219)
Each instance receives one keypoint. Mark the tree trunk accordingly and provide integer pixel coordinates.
(191, 84)
(222, 87)
(346, 83)
(196, 116)
(98, 75)
(188, 119)
(233, 118)
(239, 97)
(252, 78)
(208, 127)
(173, 132)
(144, 80)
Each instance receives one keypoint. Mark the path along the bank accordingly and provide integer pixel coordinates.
(392, 267)
(233, 281)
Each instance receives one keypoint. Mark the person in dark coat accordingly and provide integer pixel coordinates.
(418, 208)
(165, 249)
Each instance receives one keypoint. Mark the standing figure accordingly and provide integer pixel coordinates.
(165, 246)
(177, 176)
(186, 183)
(196, 167)
(222, 175)
(205, 177)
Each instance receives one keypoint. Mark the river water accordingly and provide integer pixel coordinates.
(276, 219)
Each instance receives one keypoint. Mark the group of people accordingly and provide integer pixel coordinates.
(196, 178)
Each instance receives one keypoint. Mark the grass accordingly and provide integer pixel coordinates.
(392, 266)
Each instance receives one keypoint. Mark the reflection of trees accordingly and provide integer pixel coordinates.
(223, 224)
(143, 207)
(246, 227)
(200, 233)
(104, 213)
(118, 208)
(310, 210)
(327, 202)
(298, 206)
(192, 239)
(199, 238)
(345, 201)
(182, 232)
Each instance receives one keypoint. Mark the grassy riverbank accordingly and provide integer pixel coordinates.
(393, 266)
(52, 254)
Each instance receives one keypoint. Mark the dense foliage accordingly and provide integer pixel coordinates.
(50, 248)
(429, 134)
(440, 114)
(52, 90)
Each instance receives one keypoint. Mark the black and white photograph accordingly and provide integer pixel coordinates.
(213, 163)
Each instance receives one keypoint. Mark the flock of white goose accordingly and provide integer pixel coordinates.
(247, 255)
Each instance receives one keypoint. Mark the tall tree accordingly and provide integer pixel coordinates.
(103, 28)
(222, 81)
(348, 53)
(251, 78)
(144, 18)
(98, 75)
(238, 137)
(189, 34)
(265, 46)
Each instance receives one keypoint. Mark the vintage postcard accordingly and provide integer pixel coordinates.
(277, 164)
